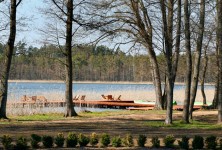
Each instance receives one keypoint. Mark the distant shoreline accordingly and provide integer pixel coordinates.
(97, 82)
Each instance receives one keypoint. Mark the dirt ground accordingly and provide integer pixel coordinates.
(113, 125)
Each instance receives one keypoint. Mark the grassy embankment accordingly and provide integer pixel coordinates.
(199, 122)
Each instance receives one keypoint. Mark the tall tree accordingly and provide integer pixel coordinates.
(188, 61)
(168, 39)
(68, 56)
(8, 58)
(219, 36)
(132, 19)
(198, 52)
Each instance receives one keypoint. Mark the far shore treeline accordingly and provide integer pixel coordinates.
(91, 63)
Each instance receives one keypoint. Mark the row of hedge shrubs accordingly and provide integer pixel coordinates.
(72, 140)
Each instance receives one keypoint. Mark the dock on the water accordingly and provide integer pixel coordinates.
(130, 105)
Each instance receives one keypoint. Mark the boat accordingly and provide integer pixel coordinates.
(149, 102)
(144, 102)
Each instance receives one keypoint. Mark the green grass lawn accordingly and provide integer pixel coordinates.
(177, 124)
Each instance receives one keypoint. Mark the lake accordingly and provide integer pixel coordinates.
(93, 91)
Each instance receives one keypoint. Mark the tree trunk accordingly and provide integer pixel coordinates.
(157, 82)
(168, 28)
(188, 62)
(216, 91)
(8, 58)
(68, 65)
(177, 45)
(197, 57)
(219, 36)
(203, 76)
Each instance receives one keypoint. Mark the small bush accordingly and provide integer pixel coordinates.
(198, 142)
(59, 140)
(184, 143)
(141, 140)
(105, 139)
(47, 141)
(35, 139)
(128, 140)
(211, 142)
(220, 143)
(116, 141)
(155, 142)
(94, 139)
(21, 143)
(83, 140)
(71, 140)
(169, 140)
(6, 141)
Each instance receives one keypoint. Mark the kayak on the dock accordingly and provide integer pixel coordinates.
(144, 102)
(149, 102)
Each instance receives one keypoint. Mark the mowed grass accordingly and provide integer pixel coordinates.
(155, 123)
(178, 124)
(38, 117)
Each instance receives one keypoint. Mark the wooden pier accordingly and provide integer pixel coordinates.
(127, 104)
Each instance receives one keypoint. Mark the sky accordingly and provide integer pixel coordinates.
(30, 34)
(30, 9)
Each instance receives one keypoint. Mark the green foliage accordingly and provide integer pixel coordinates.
(105, 139)
(94, 139)
(83, 140)
(47, 141)
(198, 142)
(6, 141)
(155, 142)
(116, 141)
(59, 140)
(35, 139)
(184, 143)
(169, 140)
(40, 117)
(211, 142)
(220, 143)
(141, 140)
(21, 143)
(71, 140)
(128, 140)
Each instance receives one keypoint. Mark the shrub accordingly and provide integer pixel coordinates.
(141, 140)
(184, 143)
(94, 139)
(105, 139)
(21, 143)
(198, 142)
(128, 140)
(47, 141)
(59, 140)
(155, 142)
(169, 140)
(220, 143)
(35, 139)
(211, 142)
(6, 141)
(116, 141)
(83, 140)
(71, 140)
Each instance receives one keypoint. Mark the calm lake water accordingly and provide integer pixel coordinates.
(93, 91)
